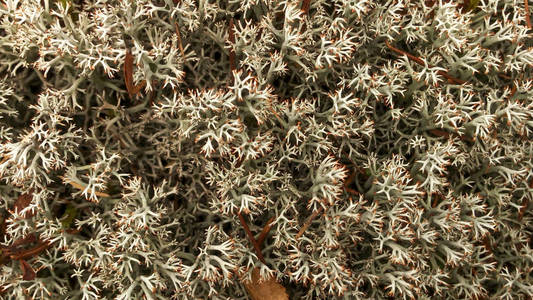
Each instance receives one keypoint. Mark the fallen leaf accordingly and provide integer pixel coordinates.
(27, 271)
(268, 289)
(22, 202)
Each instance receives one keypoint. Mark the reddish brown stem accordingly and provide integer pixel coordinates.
(437, 198)
(264, 232)
(231, 37)
(306, 4)
(25, 240)
(251, 237)
(308, 222)
(445, 134)
(128, 72)
(128, 76)
(528, 20)
(351, 191)
(505, 76)
(73, 231)
(439, 132)
(23, 254)
(513, 91)
(419, 61)
(180, 45)
(401, 52)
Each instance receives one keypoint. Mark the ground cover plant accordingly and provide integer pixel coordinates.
(260, 149)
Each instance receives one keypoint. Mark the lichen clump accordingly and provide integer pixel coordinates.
(158, 149)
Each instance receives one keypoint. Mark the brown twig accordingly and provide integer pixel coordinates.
(513, 91)
(442, 133)
(25, 240)
(439, 132)
(505, 76)
(419, 61)
(528, 20)
(251, 237)
(264, 232)
(308, 222)
(23, 254)
(306, 4)
(178, 34)
(128, 76)
(81, 187)
(73, 231)
(401, 52)
(486, 243)
(231, 37)
(128, 72)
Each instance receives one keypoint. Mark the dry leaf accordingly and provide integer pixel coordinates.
(27, 271)
(266, 290)
(22, 202)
